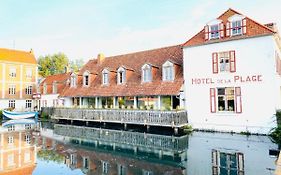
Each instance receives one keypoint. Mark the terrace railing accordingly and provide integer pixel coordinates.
(141, 117)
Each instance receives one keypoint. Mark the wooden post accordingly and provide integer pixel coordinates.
(159, 103)
(96, 102)
(135, 103)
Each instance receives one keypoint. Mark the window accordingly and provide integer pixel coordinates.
(146, 73)
(10, 140)
(28, 90)
(105, 167)
(85, 162)
(28, 103)
(226, 99)
(223, 62)
(12, 103)
(27, 126)
(105, 77)
(27, 156)
(11, 159)
(227, 163)
(73, 80)
(168, 71)
(27, 139)
(11, 128)
(55, 88)
(145, 172)
(12, 89)
(13, 72)
(236, 28)
(214, 31)
(121, 75)
(121, 170)
(28, 73)
(86, 78)
(72, 159)
(45, 88)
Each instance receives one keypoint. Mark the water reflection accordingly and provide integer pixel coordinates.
(18, 151)
(28, 147)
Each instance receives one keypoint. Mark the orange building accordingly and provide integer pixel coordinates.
(18, 77)
(18, 152)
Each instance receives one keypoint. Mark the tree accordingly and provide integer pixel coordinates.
(76, 65)
(52, 64)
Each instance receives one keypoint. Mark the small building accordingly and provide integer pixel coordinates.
(151, 79)
(18, 77)
(232, 71)
(50, 89)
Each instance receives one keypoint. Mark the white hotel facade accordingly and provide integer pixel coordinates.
(232, 74)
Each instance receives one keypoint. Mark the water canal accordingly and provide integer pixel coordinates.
(62, 149)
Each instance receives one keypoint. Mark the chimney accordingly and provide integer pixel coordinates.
(100, 58)
(31, 51)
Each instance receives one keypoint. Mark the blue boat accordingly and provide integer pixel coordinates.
(19, 115)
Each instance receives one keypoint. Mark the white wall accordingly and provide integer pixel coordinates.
(49, 98)
(19, 104)
(254, 56)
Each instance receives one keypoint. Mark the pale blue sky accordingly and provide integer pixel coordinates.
(84, 28)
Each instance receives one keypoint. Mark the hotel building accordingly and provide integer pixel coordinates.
(18, 79)
(232, 72)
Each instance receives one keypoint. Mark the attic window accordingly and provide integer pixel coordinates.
(146, 73)
(121, 75)
(105, 77)
(168, 71)
(236, 27)
(86, 78)
(214, 31)
(73, 80)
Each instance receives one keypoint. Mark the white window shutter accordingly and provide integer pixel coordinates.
(212, 100)
(232, 61)
(244, 24)
(221, 30)
(238, 100)
(206, 32)
(227, 28)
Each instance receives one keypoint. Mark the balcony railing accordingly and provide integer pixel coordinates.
(139, 117)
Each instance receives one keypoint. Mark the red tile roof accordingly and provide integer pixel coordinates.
(253, 29)
(133, 85)
(61, 80)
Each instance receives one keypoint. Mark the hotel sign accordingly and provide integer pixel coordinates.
(234, 79)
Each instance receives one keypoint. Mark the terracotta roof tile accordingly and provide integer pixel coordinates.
(17, 56)
(133, 85)
(61, 80)
(253, 29)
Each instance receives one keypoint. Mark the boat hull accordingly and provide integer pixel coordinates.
(19, 115)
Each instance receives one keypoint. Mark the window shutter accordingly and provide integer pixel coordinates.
(213, 100)
(215, 64)
(238, 100)
(206, 32)
(240, 157)
(244, 24)
(214, 162)
(232, 61)
(227, 28)
(221, 30)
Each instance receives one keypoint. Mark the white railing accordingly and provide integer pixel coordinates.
(142, 117)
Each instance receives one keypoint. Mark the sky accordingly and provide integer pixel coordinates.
(84, 28)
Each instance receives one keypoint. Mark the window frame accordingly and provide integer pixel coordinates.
(28, 90)
(239, 28)
(12, 89)
(28, 103)
(12, 104)
(170, 74)
(216, 32)
(225, 96)
(105, 77)
(73, 80)
(86, 78)
(121, 75)
(146, 73)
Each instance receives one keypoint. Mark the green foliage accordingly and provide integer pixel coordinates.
(50, 155)
(1, 115)
(276, 132)
(44, 115)
(187, 129)
(52, 64)
(246, 133)
(76, 64)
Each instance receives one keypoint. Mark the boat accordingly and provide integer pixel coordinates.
(18, 122)
(19, 115)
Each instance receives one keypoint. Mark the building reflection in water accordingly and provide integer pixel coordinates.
(106, 151)
(17, 147)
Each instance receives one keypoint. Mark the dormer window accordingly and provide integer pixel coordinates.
(121, 75)
(214, 31)
(86, 78)
(55, 88)
(236, 25)
(105, 77)
(146, 73)
(236, 28)
(168, 71)
(73, 80)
